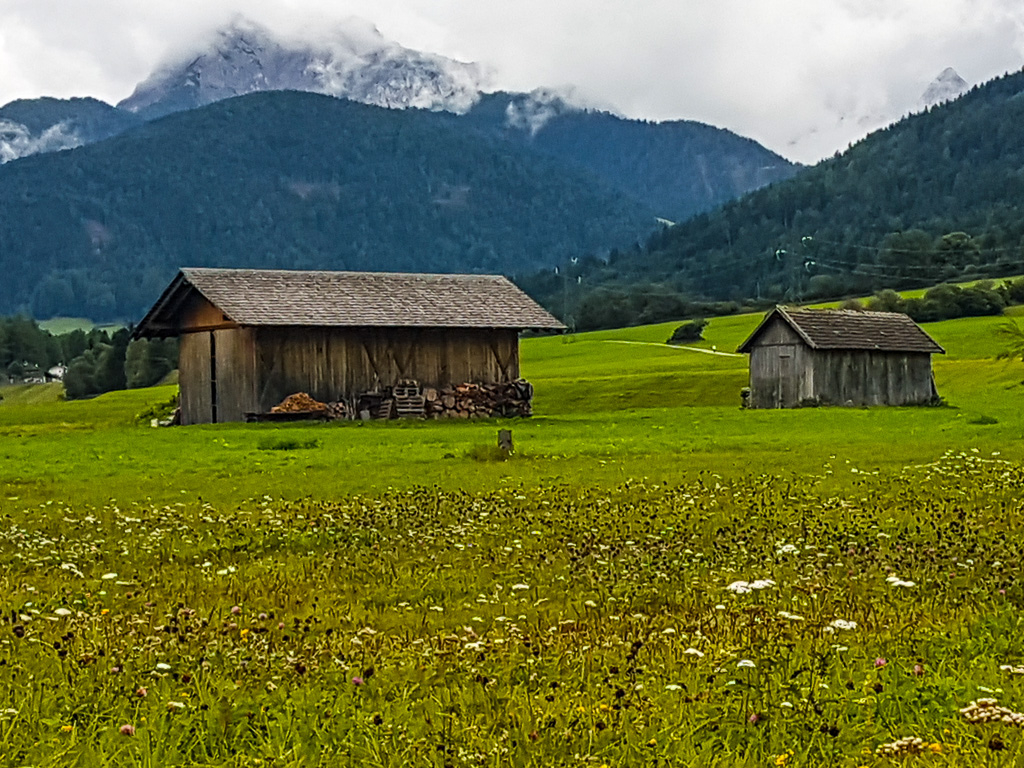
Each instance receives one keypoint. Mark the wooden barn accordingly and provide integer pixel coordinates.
(249, 338)
(839, 357)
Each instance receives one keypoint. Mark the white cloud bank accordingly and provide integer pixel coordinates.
(804, 77)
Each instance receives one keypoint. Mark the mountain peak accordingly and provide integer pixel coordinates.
(946, 87)
(353, 60)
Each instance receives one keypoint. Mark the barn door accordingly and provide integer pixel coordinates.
(789, 384)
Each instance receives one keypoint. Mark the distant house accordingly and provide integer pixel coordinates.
(839, 357)
(250, 338)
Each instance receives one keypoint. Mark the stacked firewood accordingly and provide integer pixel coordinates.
(408, 399)
(469, 401)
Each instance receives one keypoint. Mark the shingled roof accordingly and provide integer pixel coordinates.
(851, 329)
(275, 297)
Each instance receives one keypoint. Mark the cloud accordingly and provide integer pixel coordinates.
(804, 77)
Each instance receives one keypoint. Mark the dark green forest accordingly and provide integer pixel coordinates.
(937, 197)
(288, 180)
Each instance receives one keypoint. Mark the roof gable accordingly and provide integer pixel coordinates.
(850, 329)
(257, 297)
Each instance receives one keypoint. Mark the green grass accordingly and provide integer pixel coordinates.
(393, 594)
(606, 412)
(20, 395)
(61, 325)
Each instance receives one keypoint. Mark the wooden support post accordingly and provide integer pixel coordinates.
(505, 441)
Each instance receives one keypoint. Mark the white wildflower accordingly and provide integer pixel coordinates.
(745, 663)
(896, 581)
(108, 576)
(693, 652)
(843, 624)
(62, 612)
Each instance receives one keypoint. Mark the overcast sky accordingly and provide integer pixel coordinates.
(819, 73)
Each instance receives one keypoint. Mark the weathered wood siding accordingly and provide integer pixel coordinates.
(781, 375)
(231, 355)
(864, 377)
(194, 378)
(236, 373)
(336, 363)
(198, 314)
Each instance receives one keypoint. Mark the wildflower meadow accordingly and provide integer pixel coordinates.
(689, 585)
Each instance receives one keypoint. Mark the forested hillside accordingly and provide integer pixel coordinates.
(678, 168)
(937, 196)
(288, 179)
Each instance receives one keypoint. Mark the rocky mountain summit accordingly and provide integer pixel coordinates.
(353, 61)
(946, 87)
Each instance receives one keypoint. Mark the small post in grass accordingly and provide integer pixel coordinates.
(505, 441)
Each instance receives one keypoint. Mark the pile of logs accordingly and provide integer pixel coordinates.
(469, 401)
(408, 399)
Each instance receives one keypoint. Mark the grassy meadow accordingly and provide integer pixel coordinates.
(656, 577)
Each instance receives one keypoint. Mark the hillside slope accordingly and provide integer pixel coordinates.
(287, 179)
(937, 196)
(678, 168)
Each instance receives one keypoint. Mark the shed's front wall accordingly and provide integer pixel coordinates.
(864, 377)
(781, 375)
(338, 363)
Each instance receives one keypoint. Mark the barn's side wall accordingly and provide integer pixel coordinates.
(336, 363)
(781, 375)
(863, 377)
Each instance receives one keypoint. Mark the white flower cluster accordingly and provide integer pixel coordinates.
(989, 711)
(842, 624)
(790, 616)
(909, 745)
(1012, 670)
(743, 587)
(896, 581)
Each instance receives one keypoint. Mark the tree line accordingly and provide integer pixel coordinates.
(95, 361)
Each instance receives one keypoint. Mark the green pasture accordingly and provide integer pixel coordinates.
(610, 405)
(655, 578)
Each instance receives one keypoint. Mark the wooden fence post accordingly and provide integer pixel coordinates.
(505, 441)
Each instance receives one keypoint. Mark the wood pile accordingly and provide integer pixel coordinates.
(473, 401)
(408, 399)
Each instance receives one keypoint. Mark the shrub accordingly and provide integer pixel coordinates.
(691, 330)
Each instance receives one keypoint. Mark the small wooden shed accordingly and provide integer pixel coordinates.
(250, 338)
(839, 357)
